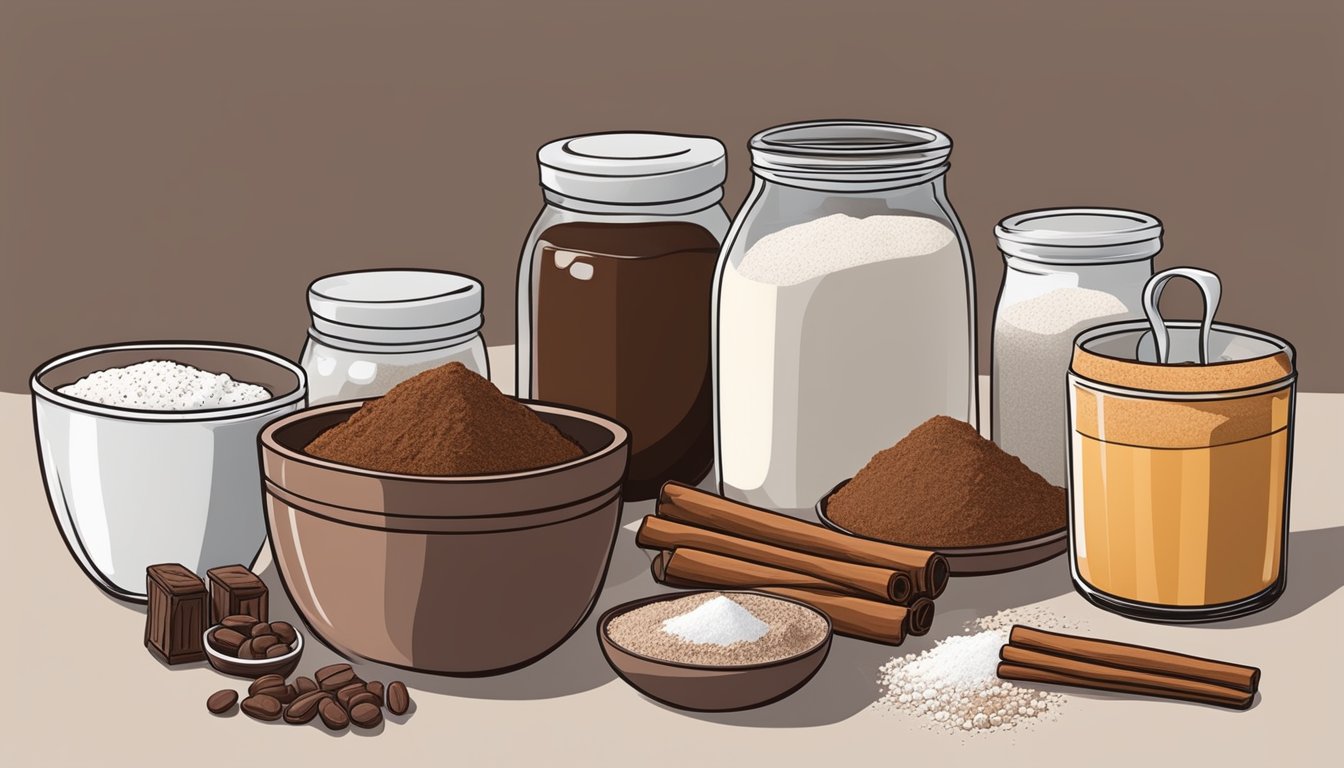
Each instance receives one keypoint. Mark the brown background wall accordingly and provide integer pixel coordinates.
(178, 169)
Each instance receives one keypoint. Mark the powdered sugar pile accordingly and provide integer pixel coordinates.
(162, 385)
(955, 684)
(720, 621)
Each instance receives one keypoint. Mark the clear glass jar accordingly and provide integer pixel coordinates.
(373, 330)
(614, 288)
(844, 308)
(1065, 270)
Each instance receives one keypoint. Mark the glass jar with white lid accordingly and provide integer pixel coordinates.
(1065, 270)
(373, 330)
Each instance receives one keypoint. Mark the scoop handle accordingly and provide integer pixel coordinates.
(1209, 287)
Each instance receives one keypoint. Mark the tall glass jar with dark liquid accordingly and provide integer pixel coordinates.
(614, 293)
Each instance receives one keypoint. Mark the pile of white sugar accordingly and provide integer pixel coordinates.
(163, 385)
(955, 685)
(837, 242)
(719, 621)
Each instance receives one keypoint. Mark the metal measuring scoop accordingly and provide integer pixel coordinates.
(1209, 287)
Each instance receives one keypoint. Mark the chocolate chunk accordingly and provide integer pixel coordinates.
(262, 707)
(329, 670)
(398, 698)
(338, 680)
(332, 715)
(305, 708)
(177, 613)
(221, 701)
(236, 590)
(366, 715)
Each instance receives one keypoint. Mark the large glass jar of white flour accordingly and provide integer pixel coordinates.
(373, 330)
(1065, 270)
(844, 308)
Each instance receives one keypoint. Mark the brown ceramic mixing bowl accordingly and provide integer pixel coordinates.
(469, 576)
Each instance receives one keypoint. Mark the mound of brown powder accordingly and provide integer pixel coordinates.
(945, 486)
(446, 421)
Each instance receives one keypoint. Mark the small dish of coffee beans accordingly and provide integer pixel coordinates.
(334, 695)
(243, 646)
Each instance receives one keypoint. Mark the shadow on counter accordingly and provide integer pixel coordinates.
(1314, 574)
(576, 666)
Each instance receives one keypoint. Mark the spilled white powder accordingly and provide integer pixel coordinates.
(720, 621)
(162, 385)
(837, 242)
(955, 685)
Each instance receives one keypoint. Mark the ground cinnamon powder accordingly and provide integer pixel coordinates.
(945, 486)
(446, 421)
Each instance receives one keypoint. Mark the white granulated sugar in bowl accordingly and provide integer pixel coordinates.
(955, 685)
(163, 385)
(720, 621)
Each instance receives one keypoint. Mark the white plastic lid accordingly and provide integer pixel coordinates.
(416, 304)
(1080, 235)
(634, 168)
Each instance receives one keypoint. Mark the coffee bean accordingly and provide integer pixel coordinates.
(259, 629)
(338, 680)
(304, 708)
(276, 650)
(332, 715)
(363, 697)
(245, 650)
(261, 642)
(345, 693)
(398, 698)
(262, 707)
(227, 640)
(366, 715)
(221, 701)
(304, 685)
(285, 631)
(329, 670)
(376, 688)
(264, 682)
(239, 621)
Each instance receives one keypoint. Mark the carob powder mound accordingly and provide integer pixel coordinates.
(791, 630)
(446, 421)
(945, 486)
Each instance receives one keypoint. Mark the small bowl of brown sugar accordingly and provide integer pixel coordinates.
(715, 651)
(444, 527)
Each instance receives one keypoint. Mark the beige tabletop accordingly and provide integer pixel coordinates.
(82, 689)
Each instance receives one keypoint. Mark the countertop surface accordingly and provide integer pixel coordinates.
(84, 691)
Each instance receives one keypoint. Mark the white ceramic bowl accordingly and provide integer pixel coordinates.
(130, 488)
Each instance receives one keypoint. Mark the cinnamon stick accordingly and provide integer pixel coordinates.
(1010, 671)
(857, 617)
(1137, 657)
(1032, 665)
(880, 583)
(682, 503)
(712, 568)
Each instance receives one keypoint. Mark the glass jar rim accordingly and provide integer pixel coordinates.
(865, 155)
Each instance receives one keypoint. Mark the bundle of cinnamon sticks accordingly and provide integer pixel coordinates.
(869, 589)
(1037, 656)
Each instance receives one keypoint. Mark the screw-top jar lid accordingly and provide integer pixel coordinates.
(1080, 235)
(400, 306)
(650, 169)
